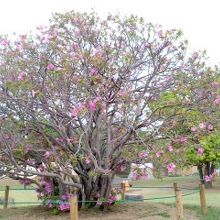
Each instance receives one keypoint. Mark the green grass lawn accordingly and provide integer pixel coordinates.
(21, 196)
(191, 182)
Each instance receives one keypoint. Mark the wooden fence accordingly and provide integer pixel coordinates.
(124, 188)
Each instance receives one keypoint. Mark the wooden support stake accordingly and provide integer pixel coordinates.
(6, 197)
(179, 201)
(127, 186)
(74, 208)
(203, 199)
(123, 190)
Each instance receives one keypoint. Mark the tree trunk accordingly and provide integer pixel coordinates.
(95, 189)
(208, 185)
(201, 176)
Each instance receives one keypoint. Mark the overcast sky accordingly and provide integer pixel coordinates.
(199, 19)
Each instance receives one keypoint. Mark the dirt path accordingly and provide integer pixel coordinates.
(142, 211)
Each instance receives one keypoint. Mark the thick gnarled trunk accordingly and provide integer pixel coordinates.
(96, 189)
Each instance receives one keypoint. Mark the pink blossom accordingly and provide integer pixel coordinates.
(160, 34)
(144, 175)
(30, 162)
(210, 127)
(143, 154)
(99, 202)
(208, 178)
(76, 111)
(194, 55)
(215, 84)
(193, 129)
(200, 151)
(171, 167)
(50, 67)
(1, 63)
(217, 101)
(48, 187)
(94, 71)
(21, 76)
(47, 154)
(64, 207)
(4, 42)
(134, 175)
(162, 68)
(202, 125)
(159, 153)
(168, 78)
(93, 104)
(97, 195)
(22, 37)
(183, 140)
(88, 160)
(20, 47)
(65, 196)
(170, 148)
(123, 93)
(25, 181)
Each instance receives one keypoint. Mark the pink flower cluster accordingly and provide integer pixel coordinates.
(208, 178)
(203, 126)
(181, 140)
(76, 111)
(47, 154)
(123, 93)
(92, 105)
(171, 167)
(200, 151)
(64, 207)
(50, 67)
(159, 153)
(143, 154)
(170, 148)
(88, 160)
(47, 185)
(111, 199)
(21, 76)
(94, 71)
(217, 101)
(139, 174)
(25, 182)
(4, 42)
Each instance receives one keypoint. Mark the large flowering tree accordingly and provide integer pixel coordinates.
(87, 96)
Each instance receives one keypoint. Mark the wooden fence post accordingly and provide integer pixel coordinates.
(6, 197)
(203, 199)
(123, 190)
(73, 207)
(179, 201)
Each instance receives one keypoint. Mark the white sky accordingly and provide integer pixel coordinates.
(199, 19)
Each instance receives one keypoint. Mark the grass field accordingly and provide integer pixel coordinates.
(21, 196)
(191, 182)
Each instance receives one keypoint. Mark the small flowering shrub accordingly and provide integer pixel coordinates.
(49, 194)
